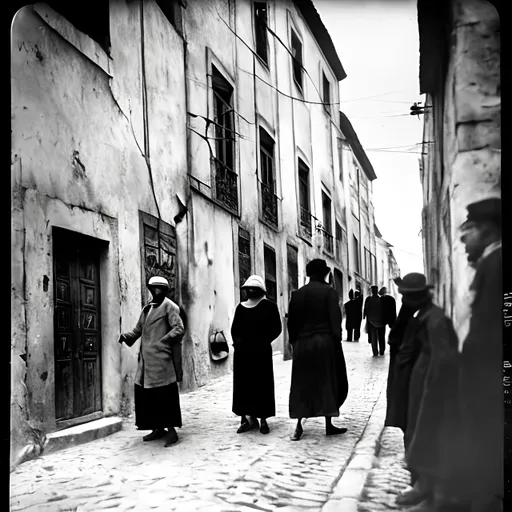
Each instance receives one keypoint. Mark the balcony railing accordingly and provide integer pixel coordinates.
(328, 242)
(269, 204)
(226, 186)
(305, 222)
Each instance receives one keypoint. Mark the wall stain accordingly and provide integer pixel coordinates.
(44, 376)
(78, 166)
(46, 280)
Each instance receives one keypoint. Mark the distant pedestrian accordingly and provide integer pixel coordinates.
(350, 315)
(388, 311)
(255, 326)
(374, 314)
(358, 314)
(157, 399)
(319, 383)
(424, 389)
(480, 432)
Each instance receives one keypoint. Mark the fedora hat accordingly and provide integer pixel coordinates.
(255, 281)
(317, 267)
(158, 281)
(485, 210)
(413, 282)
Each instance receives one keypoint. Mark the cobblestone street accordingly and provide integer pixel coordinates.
(212, 468)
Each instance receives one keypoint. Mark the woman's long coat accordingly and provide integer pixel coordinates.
(253, 330)
(161, 332)
(319, 377)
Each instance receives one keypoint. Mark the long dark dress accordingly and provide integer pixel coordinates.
(157, 408)
(319, 383)
(253, 331)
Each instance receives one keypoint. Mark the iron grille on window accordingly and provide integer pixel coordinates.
(305, 222)
(226, 179)
(270, 273)
(328, 241)
(244, 258)
(268, 196)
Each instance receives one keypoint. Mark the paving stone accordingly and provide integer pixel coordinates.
(213, 467)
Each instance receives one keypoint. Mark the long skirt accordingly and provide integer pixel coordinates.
(253, 382)
(157, 408)
(315, 387)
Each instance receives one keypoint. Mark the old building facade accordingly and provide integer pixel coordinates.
(461, 163)
(197, 140)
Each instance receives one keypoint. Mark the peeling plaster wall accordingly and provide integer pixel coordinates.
(470, 129)
(77, 135)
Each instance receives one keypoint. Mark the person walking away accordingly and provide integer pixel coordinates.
(350, 315)
(157, 399)
(388, 311)
(482, 411)
(319, 384)
(358, 314)
(425, 388)
(255, 326)
(373, 312)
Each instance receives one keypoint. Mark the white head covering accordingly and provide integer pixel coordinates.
(158, 281)
(255, 281)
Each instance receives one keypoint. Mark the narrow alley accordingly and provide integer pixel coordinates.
(211, 468)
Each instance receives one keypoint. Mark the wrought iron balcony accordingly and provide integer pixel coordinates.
(328, 242)
(269, 204)
(226, 187)
(305, 222)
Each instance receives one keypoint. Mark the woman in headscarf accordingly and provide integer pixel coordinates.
(319, 377)
(255, 326)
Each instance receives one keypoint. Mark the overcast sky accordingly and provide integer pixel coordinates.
(377, 43)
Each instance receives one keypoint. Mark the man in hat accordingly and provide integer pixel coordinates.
(374, 313)
(319, 384)
(424, 389)
(482, 360)
(388, 311)
(157, 400)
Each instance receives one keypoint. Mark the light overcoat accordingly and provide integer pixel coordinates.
(161, 331)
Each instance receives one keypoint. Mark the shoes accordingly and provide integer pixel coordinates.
(171, 438)
(264, 428)
(381, 354)
(156, 434)
(375, 355)
(334, 431)
(297, 434)
(248, 425)
(411, 497)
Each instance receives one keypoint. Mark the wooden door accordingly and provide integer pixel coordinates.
(77, 341)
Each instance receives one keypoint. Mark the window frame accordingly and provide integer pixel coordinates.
(327, 102)
(269, 278)
(297, 64)
(327, 223)
(268, 178)
(303, 168)
(264, 42)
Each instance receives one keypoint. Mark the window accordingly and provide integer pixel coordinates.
(268, 181)
(269, 256)
(226, 184)
(374, 269)
(260, 28)
(297, 59)
(244, 259)
(327, 93)
(356, 254)
(327, 231)
(293, 269)
(91, 18)
(340, 158)
(158, 253)
(305, 213)
(172, 11)
(339, 240)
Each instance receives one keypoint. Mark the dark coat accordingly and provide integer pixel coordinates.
(253, 330)
(319, 376)
(388, 309)
(374, 311)
(481, 382)
(424, 390)
(351, 314)
(161, 331)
